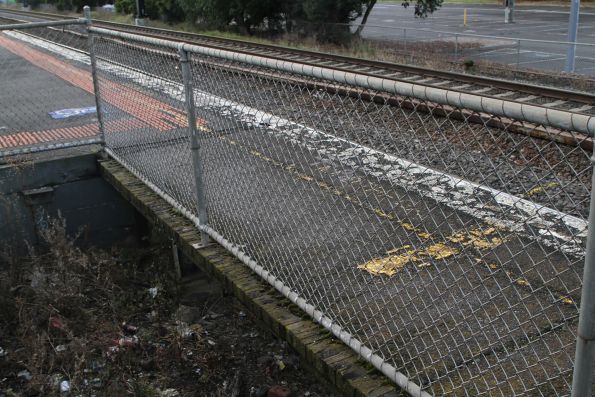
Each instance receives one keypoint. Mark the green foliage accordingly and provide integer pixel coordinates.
(423, 7)
(332, 11)
(245, 14)
(327, 20)
(468, 63)
(125, 6)
(167, 10)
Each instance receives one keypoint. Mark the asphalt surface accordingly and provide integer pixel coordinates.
(27, 97)
(454, 300)
(387, 22)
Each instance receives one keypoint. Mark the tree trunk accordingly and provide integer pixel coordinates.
(369, 7)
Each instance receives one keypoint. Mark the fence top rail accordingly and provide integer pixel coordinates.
(29, 25)
(499, 107)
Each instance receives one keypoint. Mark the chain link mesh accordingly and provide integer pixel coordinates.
(145, 120)
(448, 241)
(47, 97)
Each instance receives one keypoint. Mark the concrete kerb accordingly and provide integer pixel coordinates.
(332, 360)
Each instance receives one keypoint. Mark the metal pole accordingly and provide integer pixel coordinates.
(572, 35)
(518, 53)
(511, 13)
(194, 145)
(456, 45)
(405, 38)
(582, 378)
(91, 45)
(140, 13)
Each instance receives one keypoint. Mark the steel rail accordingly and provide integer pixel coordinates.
(252, 48)
(540, 115)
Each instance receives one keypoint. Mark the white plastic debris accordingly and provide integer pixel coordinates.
(60, 348)
(64, 386)
(25, 374)
(128, 341)
(153, 292)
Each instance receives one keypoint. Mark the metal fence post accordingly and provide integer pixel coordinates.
(572, 35)
(518, 53)
(582, 377)
(405, 38)
(194, 145)
(91, 45)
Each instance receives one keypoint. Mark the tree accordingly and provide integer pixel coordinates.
(424, 7)
(369, 7)
(245, 14)
(421, 10)
(329, 19)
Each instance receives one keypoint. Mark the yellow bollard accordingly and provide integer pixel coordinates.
(465, 17)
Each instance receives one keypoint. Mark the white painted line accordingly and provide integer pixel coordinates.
(541, 61)
(534, 221)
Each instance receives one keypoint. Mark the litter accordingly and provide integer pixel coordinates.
(74, 112)
(64, 386)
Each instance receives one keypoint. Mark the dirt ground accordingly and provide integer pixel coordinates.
(119, 322)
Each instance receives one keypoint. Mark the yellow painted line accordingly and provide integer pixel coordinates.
(566, 300)
(480, 239)
(541, 188)
(326, 187)
(523, 282)
(389, 265)
(400, 257)
(392, 264)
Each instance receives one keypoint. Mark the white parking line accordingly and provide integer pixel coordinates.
(534, 61)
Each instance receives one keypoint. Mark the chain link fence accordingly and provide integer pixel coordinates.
(437, 237)
(419, 44)
(425, 228)
(40, 111)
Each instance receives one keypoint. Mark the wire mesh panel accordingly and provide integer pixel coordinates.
(144, 117)
(449, 241)
(47, 98)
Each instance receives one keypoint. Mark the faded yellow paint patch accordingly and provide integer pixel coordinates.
(567, 300)
(395, 250)
(522, 282)
(389, 265)
(480, 239)
(305, 177)
(541, 188)
(420, 233)
(394, 262)
(439, 251)
(519, 280)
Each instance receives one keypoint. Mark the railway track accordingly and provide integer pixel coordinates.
(555, 98)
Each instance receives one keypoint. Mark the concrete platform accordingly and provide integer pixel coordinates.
(441, 288)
